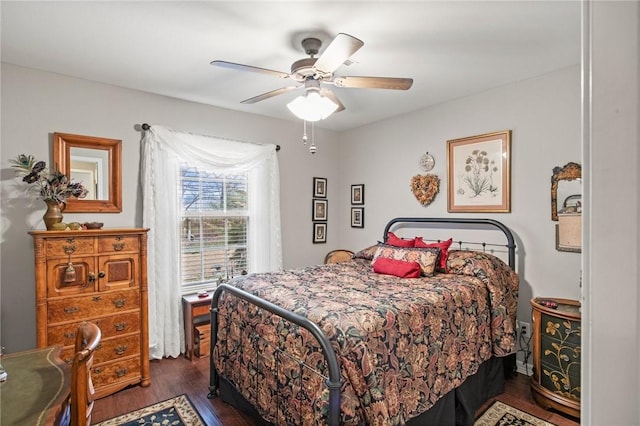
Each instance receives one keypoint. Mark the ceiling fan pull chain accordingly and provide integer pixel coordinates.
(304, 132)
(312, 148)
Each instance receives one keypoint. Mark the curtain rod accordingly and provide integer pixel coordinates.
(146, 126)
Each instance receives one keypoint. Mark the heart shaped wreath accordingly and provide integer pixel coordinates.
(425, 188)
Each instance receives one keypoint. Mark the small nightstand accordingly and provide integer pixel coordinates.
(194, 307)
(556, 354)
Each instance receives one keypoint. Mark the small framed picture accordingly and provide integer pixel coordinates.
(319, 211)
(319, 232)
(357, 217)
(357, 194)
(319, 187)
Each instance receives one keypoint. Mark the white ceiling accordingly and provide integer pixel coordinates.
(450, 48)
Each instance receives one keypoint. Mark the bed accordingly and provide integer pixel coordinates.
(342, 344)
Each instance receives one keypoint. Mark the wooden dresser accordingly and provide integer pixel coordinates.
(108, 286)
(556, 354)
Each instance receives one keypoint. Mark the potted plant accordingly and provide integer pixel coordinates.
(54, 188)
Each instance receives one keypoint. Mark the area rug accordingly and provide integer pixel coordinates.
(501, 414)
(178, 411)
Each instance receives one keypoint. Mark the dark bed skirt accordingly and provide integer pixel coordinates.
(457, 408)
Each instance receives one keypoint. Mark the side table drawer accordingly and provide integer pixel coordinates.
(556, 326)
(201, 310)
(560, 355)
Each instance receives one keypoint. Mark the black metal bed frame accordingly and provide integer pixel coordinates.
(333, 381)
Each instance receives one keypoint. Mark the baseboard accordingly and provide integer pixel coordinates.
(522, 368)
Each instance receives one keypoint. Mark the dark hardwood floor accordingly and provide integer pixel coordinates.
(172, 377)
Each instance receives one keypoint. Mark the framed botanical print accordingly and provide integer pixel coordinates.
(319, 211)
(357, 194)
(479, 173)
(319, 187)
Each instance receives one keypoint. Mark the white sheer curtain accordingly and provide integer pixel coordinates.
(163, 152)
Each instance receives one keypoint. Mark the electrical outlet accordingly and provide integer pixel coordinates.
(525, 329)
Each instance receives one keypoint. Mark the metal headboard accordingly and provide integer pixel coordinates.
(511, 245)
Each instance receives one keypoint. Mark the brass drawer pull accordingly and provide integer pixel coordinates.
(97, 298)
(120, 349)
(71, 310)
(69, 249)
(122, 372)
(120, 326)
(97, 370)
(119, 303)
(69, 335)
(118, 246)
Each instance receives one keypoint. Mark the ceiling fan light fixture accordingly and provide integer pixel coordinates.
(312, 106)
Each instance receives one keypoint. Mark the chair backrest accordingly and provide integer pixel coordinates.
(335, 256)
(87, 339)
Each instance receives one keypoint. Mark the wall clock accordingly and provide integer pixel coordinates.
(427, 162)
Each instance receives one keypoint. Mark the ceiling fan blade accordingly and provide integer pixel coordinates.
(374, 82)
(329, 94)
(241, 67)
(338, 51)
(268, 95)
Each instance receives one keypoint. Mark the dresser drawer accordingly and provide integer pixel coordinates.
(82, 307)
(74, 246)
(116, 348)
(119, 324)
(117, 244)
(113, 372)
(111, 326)
(108, 349)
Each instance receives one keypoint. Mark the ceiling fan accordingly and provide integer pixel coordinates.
(311, 73)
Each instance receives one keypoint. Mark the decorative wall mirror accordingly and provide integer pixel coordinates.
(96, 162)
(565, 182)
(566, 206)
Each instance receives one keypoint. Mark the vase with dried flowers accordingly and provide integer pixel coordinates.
(54, 188)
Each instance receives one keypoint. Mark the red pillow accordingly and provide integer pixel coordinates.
(395, 241)
(444, 250)
(398, 268)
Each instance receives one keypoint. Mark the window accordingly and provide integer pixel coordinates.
(214, 225)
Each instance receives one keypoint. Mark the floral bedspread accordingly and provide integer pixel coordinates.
(401, 343)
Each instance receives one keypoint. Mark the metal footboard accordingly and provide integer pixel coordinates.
(333, 382)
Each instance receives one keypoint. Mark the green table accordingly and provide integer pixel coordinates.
(37, 388)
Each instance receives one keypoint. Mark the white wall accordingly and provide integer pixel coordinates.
(544, 116)
(35, 104)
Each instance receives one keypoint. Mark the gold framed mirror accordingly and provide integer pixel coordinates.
(96, 162)
(563, 176)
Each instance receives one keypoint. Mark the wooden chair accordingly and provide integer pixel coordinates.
(87, 339)
(335, 256)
